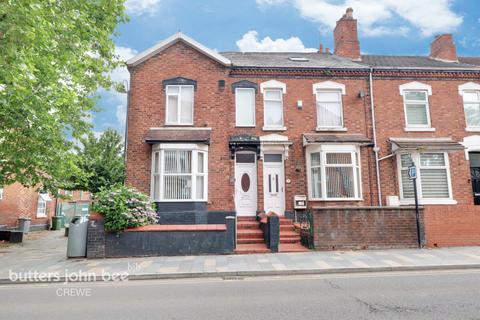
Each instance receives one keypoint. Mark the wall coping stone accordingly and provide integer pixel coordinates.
(179, 227)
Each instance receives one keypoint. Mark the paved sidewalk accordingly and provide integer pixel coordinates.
(47, 255)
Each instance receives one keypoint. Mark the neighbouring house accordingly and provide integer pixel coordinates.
(17, 201)
(212, 135)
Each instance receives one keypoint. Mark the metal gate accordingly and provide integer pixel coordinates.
(71, 209)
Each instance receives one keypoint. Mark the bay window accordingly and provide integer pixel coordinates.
(245, 107)
(333, 172)
(433, 175)
(179, 173)
(179, 110)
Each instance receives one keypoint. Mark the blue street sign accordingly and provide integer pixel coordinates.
(412, 172)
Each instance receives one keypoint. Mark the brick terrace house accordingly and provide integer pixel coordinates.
(215, 134)
(17, 201)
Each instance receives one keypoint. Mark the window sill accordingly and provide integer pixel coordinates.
(336, 199)
(473, 129)
(405, 202)
(330, 129)
(274, 128)
(239, 126)
(420, 129)
(41, 216)
(178, 124)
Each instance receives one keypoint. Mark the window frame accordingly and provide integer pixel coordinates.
(340, 94)
(418, 127)
(179, 111)
(477, 92)
(195, 149)
(254, 109)
(415, 155)
(1, 192)
(269, 126)
(356, 165)
(43, 213)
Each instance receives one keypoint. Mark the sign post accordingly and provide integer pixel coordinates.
(412, 175)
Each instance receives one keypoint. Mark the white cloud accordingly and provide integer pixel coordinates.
(121, 114)
(251, 43)
(140, 7)
(123, 53)
(381, 17)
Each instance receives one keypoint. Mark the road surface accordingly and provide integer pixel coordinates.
(399, 295)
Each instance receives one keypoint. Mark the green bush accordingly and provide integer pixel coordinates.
(124, 208)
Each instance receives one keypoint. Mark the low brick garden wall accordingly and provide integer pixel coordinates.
(365, 227)
(160, 240)
(448, 226)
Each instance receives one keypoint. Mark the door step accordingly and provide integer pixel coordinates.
(252, 248)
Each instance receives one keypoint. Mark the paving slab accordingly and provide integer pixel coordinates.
(45, 252)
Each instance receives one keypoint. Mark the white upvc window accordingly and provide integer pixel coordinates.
(1, 192)
(273, 109)
(433, 175)
(179, 173)
(179, 110)
(471, 105)
(329, 109)
(417, 114)
(245, 107)
(43, 198)
(333, 172)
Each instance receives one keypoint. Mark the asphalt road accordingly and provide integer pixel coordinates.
(401, 295)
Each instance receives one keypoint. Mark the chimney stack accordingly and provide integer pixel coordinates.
(346, 37)
(442, 48)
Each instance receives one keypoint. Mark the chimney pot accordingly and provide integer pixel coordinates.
(349, 13)
(320, 50)
(443, 48)
(327, 50)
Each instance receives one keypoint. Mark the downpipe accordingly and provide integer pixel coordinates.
(376, 149)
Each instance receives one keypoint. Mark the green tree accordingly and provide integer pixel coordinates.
(100, 161)
(54, 56)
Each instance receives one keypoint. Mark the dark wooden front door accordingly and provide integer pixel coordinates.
(475, 172)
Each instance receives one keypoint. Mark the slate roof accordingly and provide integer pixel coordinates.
(430, 144)
(325, 137)
(414, 62)
(157, 135)
(281, 60)
(327, 60)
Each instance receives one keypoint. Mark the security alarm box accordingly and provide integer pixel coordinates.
(300, 202)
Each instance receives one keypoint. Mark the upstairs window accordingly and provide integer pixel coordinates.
(329, 109)
(471, 104)
(273, 108)
(179, 109)
(416, 108)
(245, 107)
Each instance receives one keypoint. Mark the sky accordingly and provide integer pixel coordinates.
(394, 27)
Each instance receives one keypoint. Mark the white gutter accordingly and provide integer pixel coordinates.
(376, 149)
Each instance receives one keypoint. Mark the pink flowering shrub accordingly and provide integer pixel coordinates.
(123, 208)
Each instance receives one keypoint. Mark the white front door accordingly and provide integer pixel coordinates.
(274, 183)
(246, 184)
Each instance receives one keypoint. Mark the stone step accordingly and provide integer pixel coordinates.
(251, 248)
(249, 234)
(286, 227)
(246, 219)
(250, 240)
(290, 240)
(248, 225)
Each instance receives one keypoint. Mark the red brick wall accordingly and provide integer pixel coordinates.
(364, 228)
(215, 108)
(452, 225)
(19, 201)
